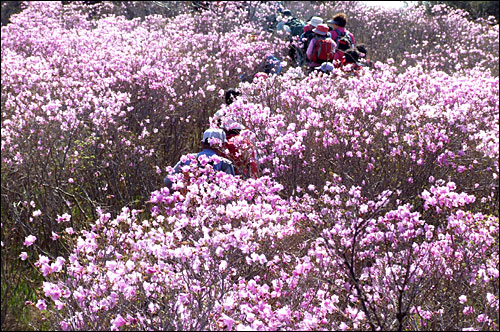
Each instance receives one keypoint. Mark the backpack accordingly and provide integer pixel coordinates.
(308, 36)
(324, 49)
(296, 26)
(343, 40)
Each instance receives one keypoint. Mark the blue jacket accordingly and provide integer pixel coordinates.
(225, 165)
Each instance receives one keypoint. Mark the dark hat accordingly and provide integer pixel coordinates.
(332, 22)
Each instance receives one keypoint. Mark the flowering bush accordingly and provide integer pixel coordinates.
(101, 115)
(378, 204)
(233, 254)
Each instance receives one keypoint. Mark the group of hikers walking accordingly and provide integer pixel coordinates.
(323, 45)
(320, 46)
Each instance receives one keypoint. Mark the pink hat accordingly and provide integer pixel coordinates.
(321, 29)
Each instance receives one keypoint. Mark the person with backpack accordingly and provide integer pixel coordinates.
(313, 23)
(212, 142)
(321, 48)
(343, 38)
(354, 62)
(350, 62)
(306, 37)
(294, 26)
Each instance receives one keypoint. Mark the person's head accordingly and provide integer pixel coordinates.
(321, 30)
(213, 138)
(361, 48)
(231, 96)
(228, 123)
(351, 56)
(315, 21)
(232, 127)
(286, 13)
(339, 20)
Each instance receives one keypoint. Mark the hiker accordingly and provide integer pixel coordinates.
(211, 143)
(363, 56)
(294, 28)
(231, 95)
(307, 36)
(272, 65)
(351, 57)
(321, 48)
(240, 150)
(295, 25)
(291, 24)
(343, 38)
(353, 64)
(313, 23)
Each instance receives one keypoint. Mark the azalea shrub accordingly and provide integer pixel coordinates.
(379, 130)
(102, 116)
(377, 207)
(221, 253)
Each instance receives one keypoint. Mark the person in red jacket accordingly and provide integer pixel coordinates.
(239, 148)
(338, 30)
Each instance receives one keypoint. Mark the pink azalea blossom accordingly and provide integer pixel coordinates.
(41, 305)
(117, 323)
(29, 240)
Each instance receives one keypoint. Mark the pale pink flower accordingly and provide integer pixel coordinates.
(41, 305)
(117, 322)
(29, 240)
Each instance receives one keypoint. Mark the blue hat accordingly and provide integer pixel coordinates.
(214, 133)
(326, 67)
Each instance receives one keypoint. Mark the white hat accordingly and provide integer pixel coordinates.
(214, 133)
(226, 121)
(315, 21)
(231, 124)
(219, 114)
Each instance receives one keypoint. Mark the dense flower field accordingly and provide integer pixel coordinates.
(378, 204)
